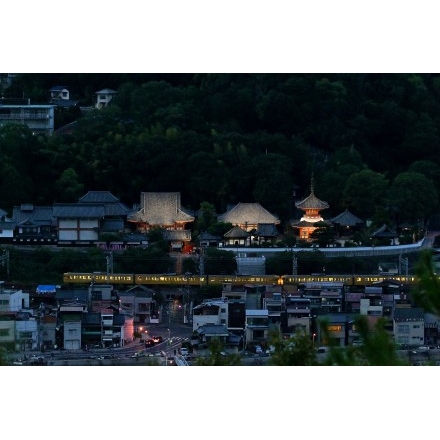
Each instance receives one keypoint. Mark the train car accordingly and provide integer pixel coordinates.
(98, 278)
(183, 280)
(236, 280)
(241, 280)
(301, 279)
(365, 280)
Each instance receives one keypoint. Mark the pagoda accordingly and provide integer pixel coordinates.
(311, 206)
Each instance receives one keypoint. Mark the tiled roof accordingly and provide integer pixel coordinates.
(58, 88)
(135, 290)
(98, 197)
(112, 225)
(207, 236)
(346, 218)
(113, 207)
(64, 102)
(311, 202)
(106, 91)
(7, 225)
(213, 329)
(78, 210)
(178, 235)
(407, 313)
(161, 208)
(40, 215)
(385, 232)
(266, 230)
(91, 318)
(236, 232)
(250, 213)
(306, 224)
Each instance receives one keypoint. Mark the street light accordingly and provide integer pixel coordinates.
(187, 308)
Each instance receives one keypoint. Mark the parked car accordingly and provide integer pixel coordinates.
(258, 349)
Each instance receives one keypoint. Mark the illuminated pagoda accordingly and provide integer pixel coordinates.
(311, 206)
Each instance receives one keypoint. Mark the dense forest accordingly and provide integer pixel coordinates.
(370, 141)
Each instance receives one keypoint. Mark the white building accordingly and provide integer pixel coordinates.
(103, 97)
(39, 118)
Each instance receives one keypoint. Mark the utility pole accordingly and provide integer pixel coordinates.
(202, 261)
(294, 264)
(403, 261)
(109, 259)
(4, 259)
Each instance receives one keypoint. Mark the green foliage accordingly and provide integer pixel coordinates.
(189, 265)
(218, 261)
(226, 138)
(417, 191)
(324, 234)
(3, 356)
(219, 228)
(280, 264)
(297, 350)
(217, 357)
(427, 294)
(377, 349)
(139, 260)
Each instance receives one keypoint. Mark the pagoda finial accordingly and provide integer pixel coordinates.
(311, 185)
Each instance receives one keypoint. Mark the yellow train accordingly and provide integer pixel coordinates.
(205, 280)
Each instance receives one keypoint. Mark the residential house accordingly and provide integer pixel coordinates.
(7, 330)
(26, 331)
(341, 329)
(138, 301)
(60, 96)
(325, 297)
(256, 327)
(104, 97)
(7, 227)
(48, 331)
(39, 118)
(298, 315)
(206, 333)
(102, 296)
(164, 210)
(432, 325)
(69, 324)
(273, 302)
(13, 300)
(210, 311)
(409, 326)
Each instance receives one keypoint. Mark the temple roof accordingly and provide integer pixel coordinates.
(311, 202)
(161, 209)
(248, 213)
(236, 232)
(346, 218)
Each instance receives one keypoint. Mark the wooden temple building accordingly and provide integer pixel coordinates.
(311, 206)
